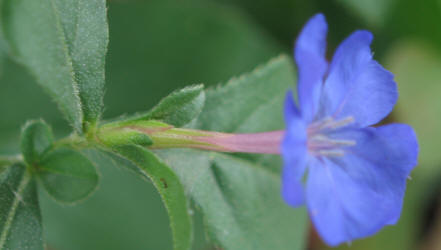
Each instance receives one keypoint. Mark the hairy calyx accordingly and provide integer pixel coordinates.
(163, 136)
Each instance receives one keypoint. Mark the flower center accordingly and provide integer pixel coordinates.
(320, 142)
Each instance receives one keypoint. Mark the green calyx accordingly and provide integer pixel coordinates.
(129, 132)
(152, 134)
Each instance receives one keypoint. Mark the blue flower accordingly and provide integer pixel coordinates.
(351, 176)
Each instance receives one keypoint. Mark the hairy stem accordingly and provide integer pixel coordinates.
(158, 135)
(262, 143)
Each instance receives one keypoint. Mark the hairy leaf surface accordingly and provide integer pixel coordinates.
(239, 195)
(178, 108)
(67, 175)
(20, 219)
(63, 43)
(36, 139)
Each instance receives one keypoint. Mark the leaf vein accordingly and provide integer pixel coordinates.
(69, 61)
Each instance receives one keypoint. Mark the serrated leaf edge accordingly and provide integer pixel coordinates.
(257, 71)
(149, 114)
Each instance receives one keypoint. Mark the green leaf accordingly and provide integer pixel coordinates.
(238, 197)
(36, 139)
(67, 175)
(251, 103)
(63, 43)
(178, 108)
(20, 219)
(240, 201)
(125, 212)
(147, 165)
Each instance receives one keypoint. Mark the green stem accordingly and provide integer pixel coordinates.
(75, 141)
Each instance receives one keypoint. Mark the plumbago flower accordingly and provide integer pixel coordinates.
(356, 174)
(351, 176)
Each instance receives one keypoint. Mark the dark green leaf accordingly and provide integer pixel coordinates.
(36, 138)
(178, 108)
(251, 103)
(20, 219)
(67, 175)
(240, 200)
(169, 187)
(63, 43)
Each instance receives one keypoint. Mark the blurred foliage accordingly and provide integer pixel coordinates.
(157, 46)
(374, 11)
(3, 52)
(417, 69)
(197, 42)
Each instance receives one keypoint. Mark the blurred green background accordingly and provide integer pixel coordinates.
(157, 46)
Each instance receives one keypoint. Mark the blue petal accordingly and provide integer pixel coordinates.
(357, 85)
(309, 54)
(294, 154)
(355, 195)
